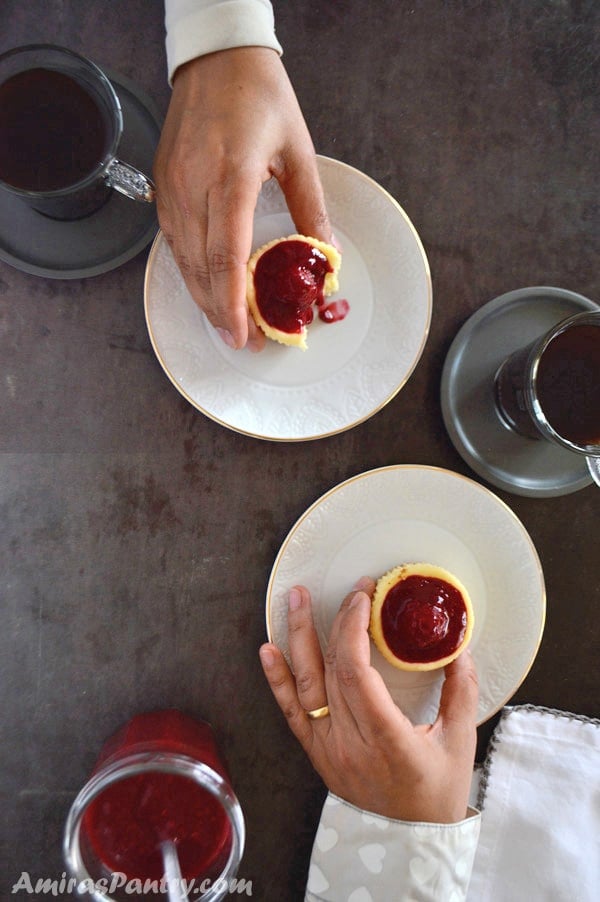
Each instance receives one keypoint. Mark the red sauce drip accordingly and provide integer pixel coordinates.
(127, 823)
(288, 280)
(568, 384)
(334, 312)
(423, 619)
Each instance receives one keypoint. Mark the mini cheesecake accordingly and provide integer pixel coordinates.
(421, 617)
(286, 278)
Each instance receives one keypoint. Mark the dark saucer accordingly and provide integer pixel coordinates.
(109, 237)
(496, 453)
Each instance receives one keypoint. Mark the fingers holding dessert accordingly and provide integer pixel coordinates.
(287, 279)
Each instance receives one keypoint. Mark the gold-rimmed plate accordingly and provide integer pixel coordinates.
(397, 514)
(351, 369)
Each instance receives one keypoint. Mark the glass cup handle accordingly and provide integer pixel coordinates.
(594, 468)
(130, 181)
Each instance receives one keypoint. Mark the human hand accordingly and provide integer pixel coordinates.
(233, 122)
(366, 750)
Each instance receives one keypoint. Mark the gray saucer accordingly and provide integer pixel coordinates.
(499, 455)
(106, 239)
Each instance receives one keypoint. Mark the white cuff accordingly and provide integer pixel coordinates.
(197, 27)
(362, 857)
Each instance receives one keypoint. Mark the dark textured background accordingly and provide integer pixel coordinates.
(137, 536)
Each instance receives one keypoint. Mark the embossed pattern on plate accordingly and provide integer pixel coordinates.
(397, 514)
(351, 369)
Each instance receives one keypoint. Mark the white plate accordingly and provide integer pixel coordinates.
(351, 369)
(398, 514)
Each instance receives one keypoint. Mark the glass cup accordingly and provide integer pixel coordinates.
(158, 787)
(60, 128)
(551, 388)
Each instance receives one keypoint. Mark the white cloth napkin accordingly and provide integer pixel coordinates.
(539, 794)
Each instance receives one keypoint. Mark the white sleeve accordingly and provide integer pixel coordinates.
(197, 27)
(362, 857)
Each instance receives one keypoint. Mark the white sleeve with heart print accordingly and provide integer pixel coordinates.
(362, 857)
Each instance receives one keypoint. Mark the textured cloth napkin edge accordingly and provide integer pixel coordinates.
(496, 738)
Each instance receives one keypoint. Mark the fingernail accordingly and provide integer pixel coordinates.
(267, 657)
(335, 242)
(253, 346)
(227, 337)
(363, 583)
(295, 599)
(356, 599)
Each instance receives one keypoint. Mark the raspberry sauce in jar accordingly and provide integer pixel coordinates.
(158, 780)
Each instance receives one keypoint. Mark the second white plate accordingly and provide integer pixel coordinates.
(351, 369)
(403, 513)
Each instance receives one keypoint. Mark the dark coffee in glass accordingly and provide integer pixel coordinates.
(551, 388)
(60, 128)
(54, 132)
